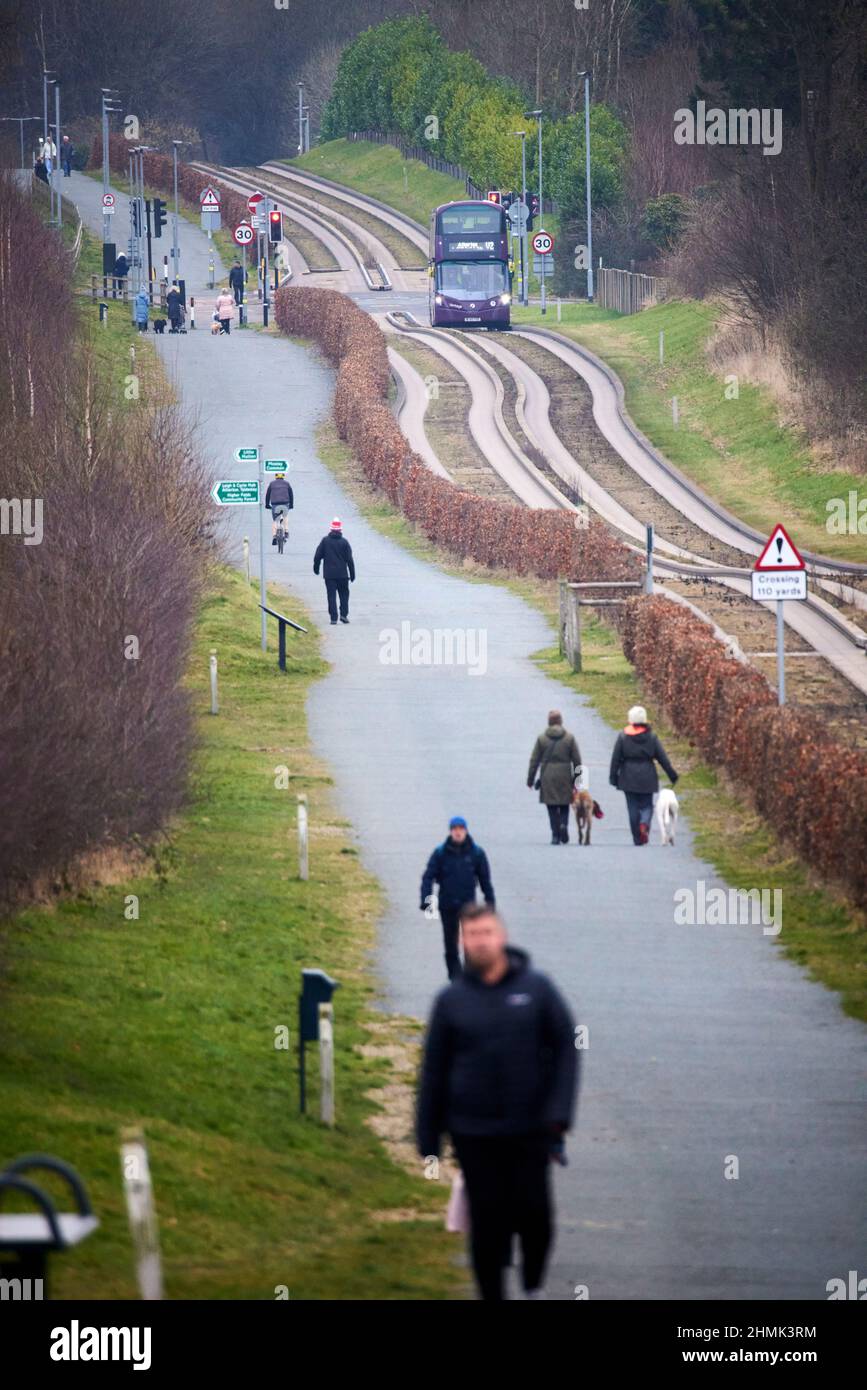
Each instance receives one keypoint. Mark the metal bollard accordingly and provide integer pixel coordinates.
(103, 313)
(192, 312)
(303, 867)
(210, 272)
(213, 665)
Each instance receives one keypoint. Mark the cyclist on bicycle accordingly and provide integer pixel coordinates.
(281, 501)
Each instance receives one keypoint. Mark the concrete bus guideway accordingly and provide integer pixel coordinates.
(697, 1033)
(832, 637)
(611, 413)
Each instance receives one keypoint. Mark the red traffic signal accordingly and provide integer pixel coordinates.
(492, 196)
(275, 225)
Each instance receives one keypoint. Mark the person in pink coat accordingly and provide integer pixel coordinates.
(225, 310)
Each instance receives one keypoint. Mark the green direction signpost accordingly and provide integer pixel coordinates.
(236, 492)
(247, 455)
(276, 466)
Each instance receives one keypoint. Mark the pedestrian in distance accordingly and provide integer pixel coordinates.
(40, 169)
(280, 499)
(554, 762)
(637, 750)
(142, 310)
(500, 1076)
(67, 150)
(236, 282)
(334, 554)
(175, 309)
(121, 271)
(456, 866)
(225, 310)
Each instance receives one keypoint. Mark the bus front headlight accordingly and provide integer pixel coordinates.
(505, 299)
(438, 299)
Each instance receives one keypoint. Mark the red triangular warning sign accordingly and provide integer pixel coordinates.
(779, 553)
(209, 200)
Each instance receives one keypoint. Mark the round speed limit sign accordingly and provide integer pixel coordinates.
(543, 243)
(243, 234)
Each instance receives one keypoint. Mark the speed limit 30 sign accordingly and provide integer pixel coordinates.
(543, 243)
(243, 234)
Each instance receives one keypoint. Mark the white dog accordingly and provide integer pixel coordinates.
(667, 808)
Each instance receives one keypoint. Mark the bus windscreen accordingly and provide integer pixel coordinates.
(472, 279)
(476, 219)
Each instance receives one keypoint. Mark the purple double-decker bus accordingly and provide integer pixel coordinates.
(470, 280)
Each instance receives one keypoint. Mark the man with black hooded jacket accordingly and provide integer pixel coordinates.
(500, 1076)
(334, 554)
(456, 865)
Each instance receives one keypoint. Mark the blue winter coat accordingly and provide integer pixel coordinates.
(142, 306)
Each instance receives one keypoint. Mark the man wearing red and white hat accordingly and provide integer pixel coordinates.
(334, 554)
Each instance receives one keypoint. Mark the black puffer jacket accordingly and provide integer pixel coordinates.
(457, 868)
(334, 554)
(499, 1059)
(633, 768)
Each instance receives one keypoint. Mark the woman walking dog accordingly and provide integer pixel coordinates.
(633, 771)
(556, 758)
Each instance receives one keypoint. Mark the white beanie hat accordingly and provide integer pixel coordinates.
(637, 715)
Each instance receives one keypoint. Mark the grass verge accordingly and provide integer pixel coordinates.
(820, 931)
(171, 1020)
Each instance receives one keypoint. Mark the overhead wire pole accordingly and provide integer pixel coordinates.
(55, 167)
(300, 117)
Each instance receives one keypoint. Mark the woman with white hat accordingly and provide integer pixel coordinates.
(633, 771)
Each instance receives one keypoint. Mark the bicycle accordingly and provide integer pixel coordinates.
(282, 532)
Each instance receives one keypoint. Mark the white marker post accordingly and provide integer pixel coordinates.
(213, 664)
(303, 866)
(260, 454)
(142, 1214)
(247, 557)
(326, 1065)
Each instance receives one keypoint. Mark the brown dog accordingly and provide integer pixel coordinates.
(582, 804)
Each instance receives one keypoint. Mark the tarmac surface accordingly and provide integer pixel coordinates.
(705, 1044)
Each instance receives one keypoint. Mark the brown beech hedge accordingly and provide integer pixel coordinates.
(809, 786)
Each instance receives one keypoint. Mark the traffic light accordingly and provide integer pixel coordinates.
(492, 196)
(506, 200)
(534, 209)
(135, 219)
(159, 209)
(275, 225)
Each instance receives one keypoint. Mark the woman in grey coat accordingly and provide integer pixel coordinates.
(554, 762)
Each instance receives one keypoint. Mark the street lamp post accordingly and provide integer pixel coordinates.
(46, 137)
(586, 76)
(305, 112)
(107, 106)
(55, 168)
(176, 252)
(21, 120)
(538, 116)
(523, 232)
(300, 117)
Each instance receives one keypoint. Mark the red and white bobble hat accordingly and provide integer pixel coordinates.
(336, 524)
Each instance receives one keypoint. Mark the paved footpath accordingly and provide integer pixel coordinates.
(704, 1041)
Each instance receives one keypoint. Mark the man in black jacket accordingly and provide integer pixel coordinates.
(280, 499)
(456, 865)
(500, 1075)
(633, 771)
(236, 282)
(334, 554)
